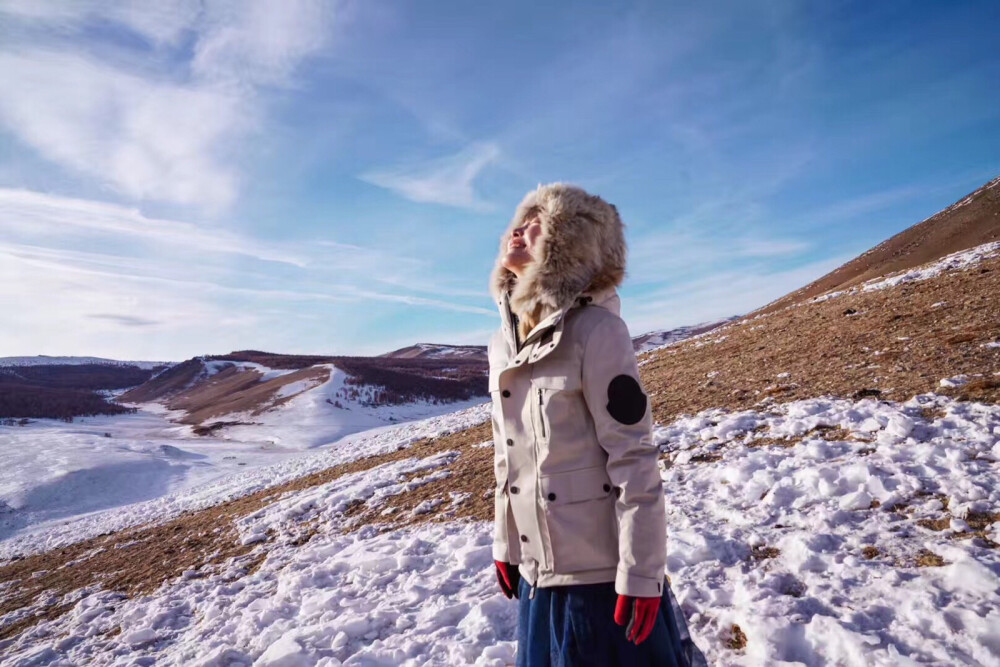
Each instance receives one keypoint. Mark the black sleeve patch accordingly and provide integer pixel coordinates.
(626, 402)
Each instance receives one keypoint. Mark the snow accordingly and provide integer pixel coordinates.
(655, 340)
(770, 534)
(63, 482)
(43, 360)
(954, 262)
(435, 351)
(820, 601)
(768, 537)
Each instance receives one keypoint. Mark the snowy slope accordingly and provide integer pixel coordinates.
(51, 472)
(655, 340)
(437, 351)
(772, 518)
(953, 262)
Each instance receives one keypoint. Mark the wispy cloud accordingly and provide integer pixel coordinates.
(124, 320)
(720, 294)
(37, 214)
(90, 277)
(662, 255)
(449, 180)
(140, 128)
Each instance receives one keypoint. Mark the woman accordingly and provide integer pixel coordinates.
(580, 534)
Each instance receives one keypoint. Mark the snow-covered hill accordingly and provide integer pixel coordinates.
(436, 351)
(52, 473)
(43, 360)
(657, 339)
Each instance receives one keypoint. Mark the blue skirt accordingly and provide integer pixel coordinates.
(573, 626)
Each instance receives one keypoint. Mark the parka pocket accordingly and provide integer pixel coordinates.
(580, 516)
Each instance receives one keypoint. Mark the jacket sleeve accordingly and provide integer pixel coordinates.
(501, 544)
(624, 424)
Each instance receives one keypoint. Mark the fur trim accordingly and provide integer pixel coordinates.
(581, 248)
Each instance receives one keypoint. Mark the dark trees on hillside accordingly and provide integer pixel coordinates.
(45, 403)
(82, 376)
(63, 391)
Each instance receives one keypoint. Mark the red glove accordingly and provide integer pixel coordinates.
(640, 613)
(508, 577)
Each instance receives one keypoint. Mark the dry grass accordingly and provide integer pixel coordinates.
(893, 344)
(935, 524)
(762, 552)
(785, 443)
(737, 638)
(927, 558)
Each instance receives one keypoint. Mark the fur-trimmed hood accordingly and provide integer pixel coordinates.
(581, 249)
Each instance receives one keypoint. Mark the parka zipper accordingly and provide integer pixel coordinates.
(541, 415)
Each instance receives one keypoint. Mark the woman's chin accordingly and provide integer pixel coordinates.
(516, 262)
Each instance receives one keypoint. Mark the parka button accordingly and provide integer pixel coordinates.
(505, 393)
(510, 443)
(552, 496)
(524, 538)
(514, 489)
(607, 488)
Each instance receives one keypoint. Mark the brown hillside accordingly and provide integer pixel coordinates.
(235, 390)
(971, 221)
(891, 343)
(173, 380)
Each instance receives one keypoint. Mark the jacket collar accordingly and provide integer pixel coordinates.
(606, 298)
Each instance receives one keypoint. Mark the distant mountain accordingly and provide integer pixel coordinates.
(434, 351)
(655, 339)
(643, 343)
(44, 360)
(969, 222)
(250, 382)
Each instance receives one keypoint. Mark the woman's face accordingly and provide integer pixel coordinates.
(522, 245)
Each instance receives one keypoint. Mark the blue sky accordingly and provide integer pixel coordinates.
(181, 177)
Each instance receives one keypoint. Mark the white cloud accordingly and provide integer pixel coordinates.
(28, 213)
(448, 180)
(658, 256)
(721, 294)
(148, 140)
(94, 307)
(163, 22)
(259, 42)
(127, 119)
(84, 277)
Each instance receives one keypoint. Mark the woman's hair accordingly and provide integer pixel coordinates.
(529, 321)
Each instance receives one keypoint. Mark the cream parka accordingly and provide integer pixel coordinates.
(579, 498)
